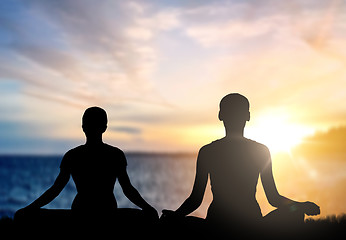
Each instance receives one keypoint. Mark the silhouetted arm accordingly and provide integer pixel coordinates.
(59, 184)
(279, 201)
(133, 195)
(196, 197)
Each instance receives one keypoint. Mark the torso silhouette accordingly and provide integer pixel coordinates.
(94, 169)
(234, 165)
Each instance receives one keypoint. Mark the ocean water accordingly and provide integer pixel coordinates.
(164, 180)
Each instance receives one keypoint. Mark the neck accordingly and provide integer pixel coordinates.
(234, 131)
(94, 140)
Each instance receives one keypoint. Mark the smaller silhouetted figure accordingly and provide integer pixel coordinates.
(94, 167)
(234, 164)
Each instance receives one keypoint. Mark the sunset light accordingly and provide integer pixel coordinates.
(160, 69)
(277, 132)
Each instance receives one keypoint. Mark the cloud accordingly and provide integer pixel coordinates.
(230, 23)
(97, 49)
(326, 146)
(25, 137)
(50, 59)
(126, 129)
(102, 33)
(224, 34)
(266, 51)
(165, 65)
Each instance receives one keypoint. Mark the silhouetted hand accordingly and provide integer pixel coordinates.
(310, 208)
(28, 210)
(169, 214)
(151, 213)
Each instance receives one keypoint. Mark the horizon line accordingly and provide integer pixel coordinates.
(131, 152)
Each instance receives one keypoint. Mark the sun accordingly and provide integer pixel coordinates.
(276, 131)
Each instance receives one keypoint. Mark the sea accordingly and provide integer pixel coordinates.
(166, 180)
(163, 180)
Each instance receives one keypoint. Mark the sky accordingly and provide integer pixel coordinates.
(160, 68)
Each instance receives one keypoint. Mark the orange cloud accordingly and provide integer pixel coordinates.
(324, 146)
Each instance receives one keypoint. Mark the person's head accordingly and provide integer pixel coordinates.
(234, 110)
(94, 121)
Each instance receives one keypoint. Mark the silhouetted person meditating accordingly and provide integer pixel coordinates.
(233, 165)
(94, 167)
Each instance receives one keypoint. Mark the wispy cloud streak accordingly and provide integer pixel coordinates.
(164, 65)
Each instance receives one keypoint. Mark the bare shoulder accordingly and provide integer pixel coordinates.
(75, 151)
(259, 151)
(113, 150)
(209, 151)
(105, 149)
(116, 155)
(257, 146)
(208, 148)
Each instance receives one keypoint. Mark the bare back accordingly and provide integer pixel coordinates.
(94, 170)
(234, 166)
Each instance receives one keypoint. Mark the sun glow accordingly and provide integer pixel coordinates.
(277, 132)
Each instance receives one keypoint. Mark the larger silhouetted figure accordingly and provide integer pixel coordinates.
(94, 167)
(234, 165)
